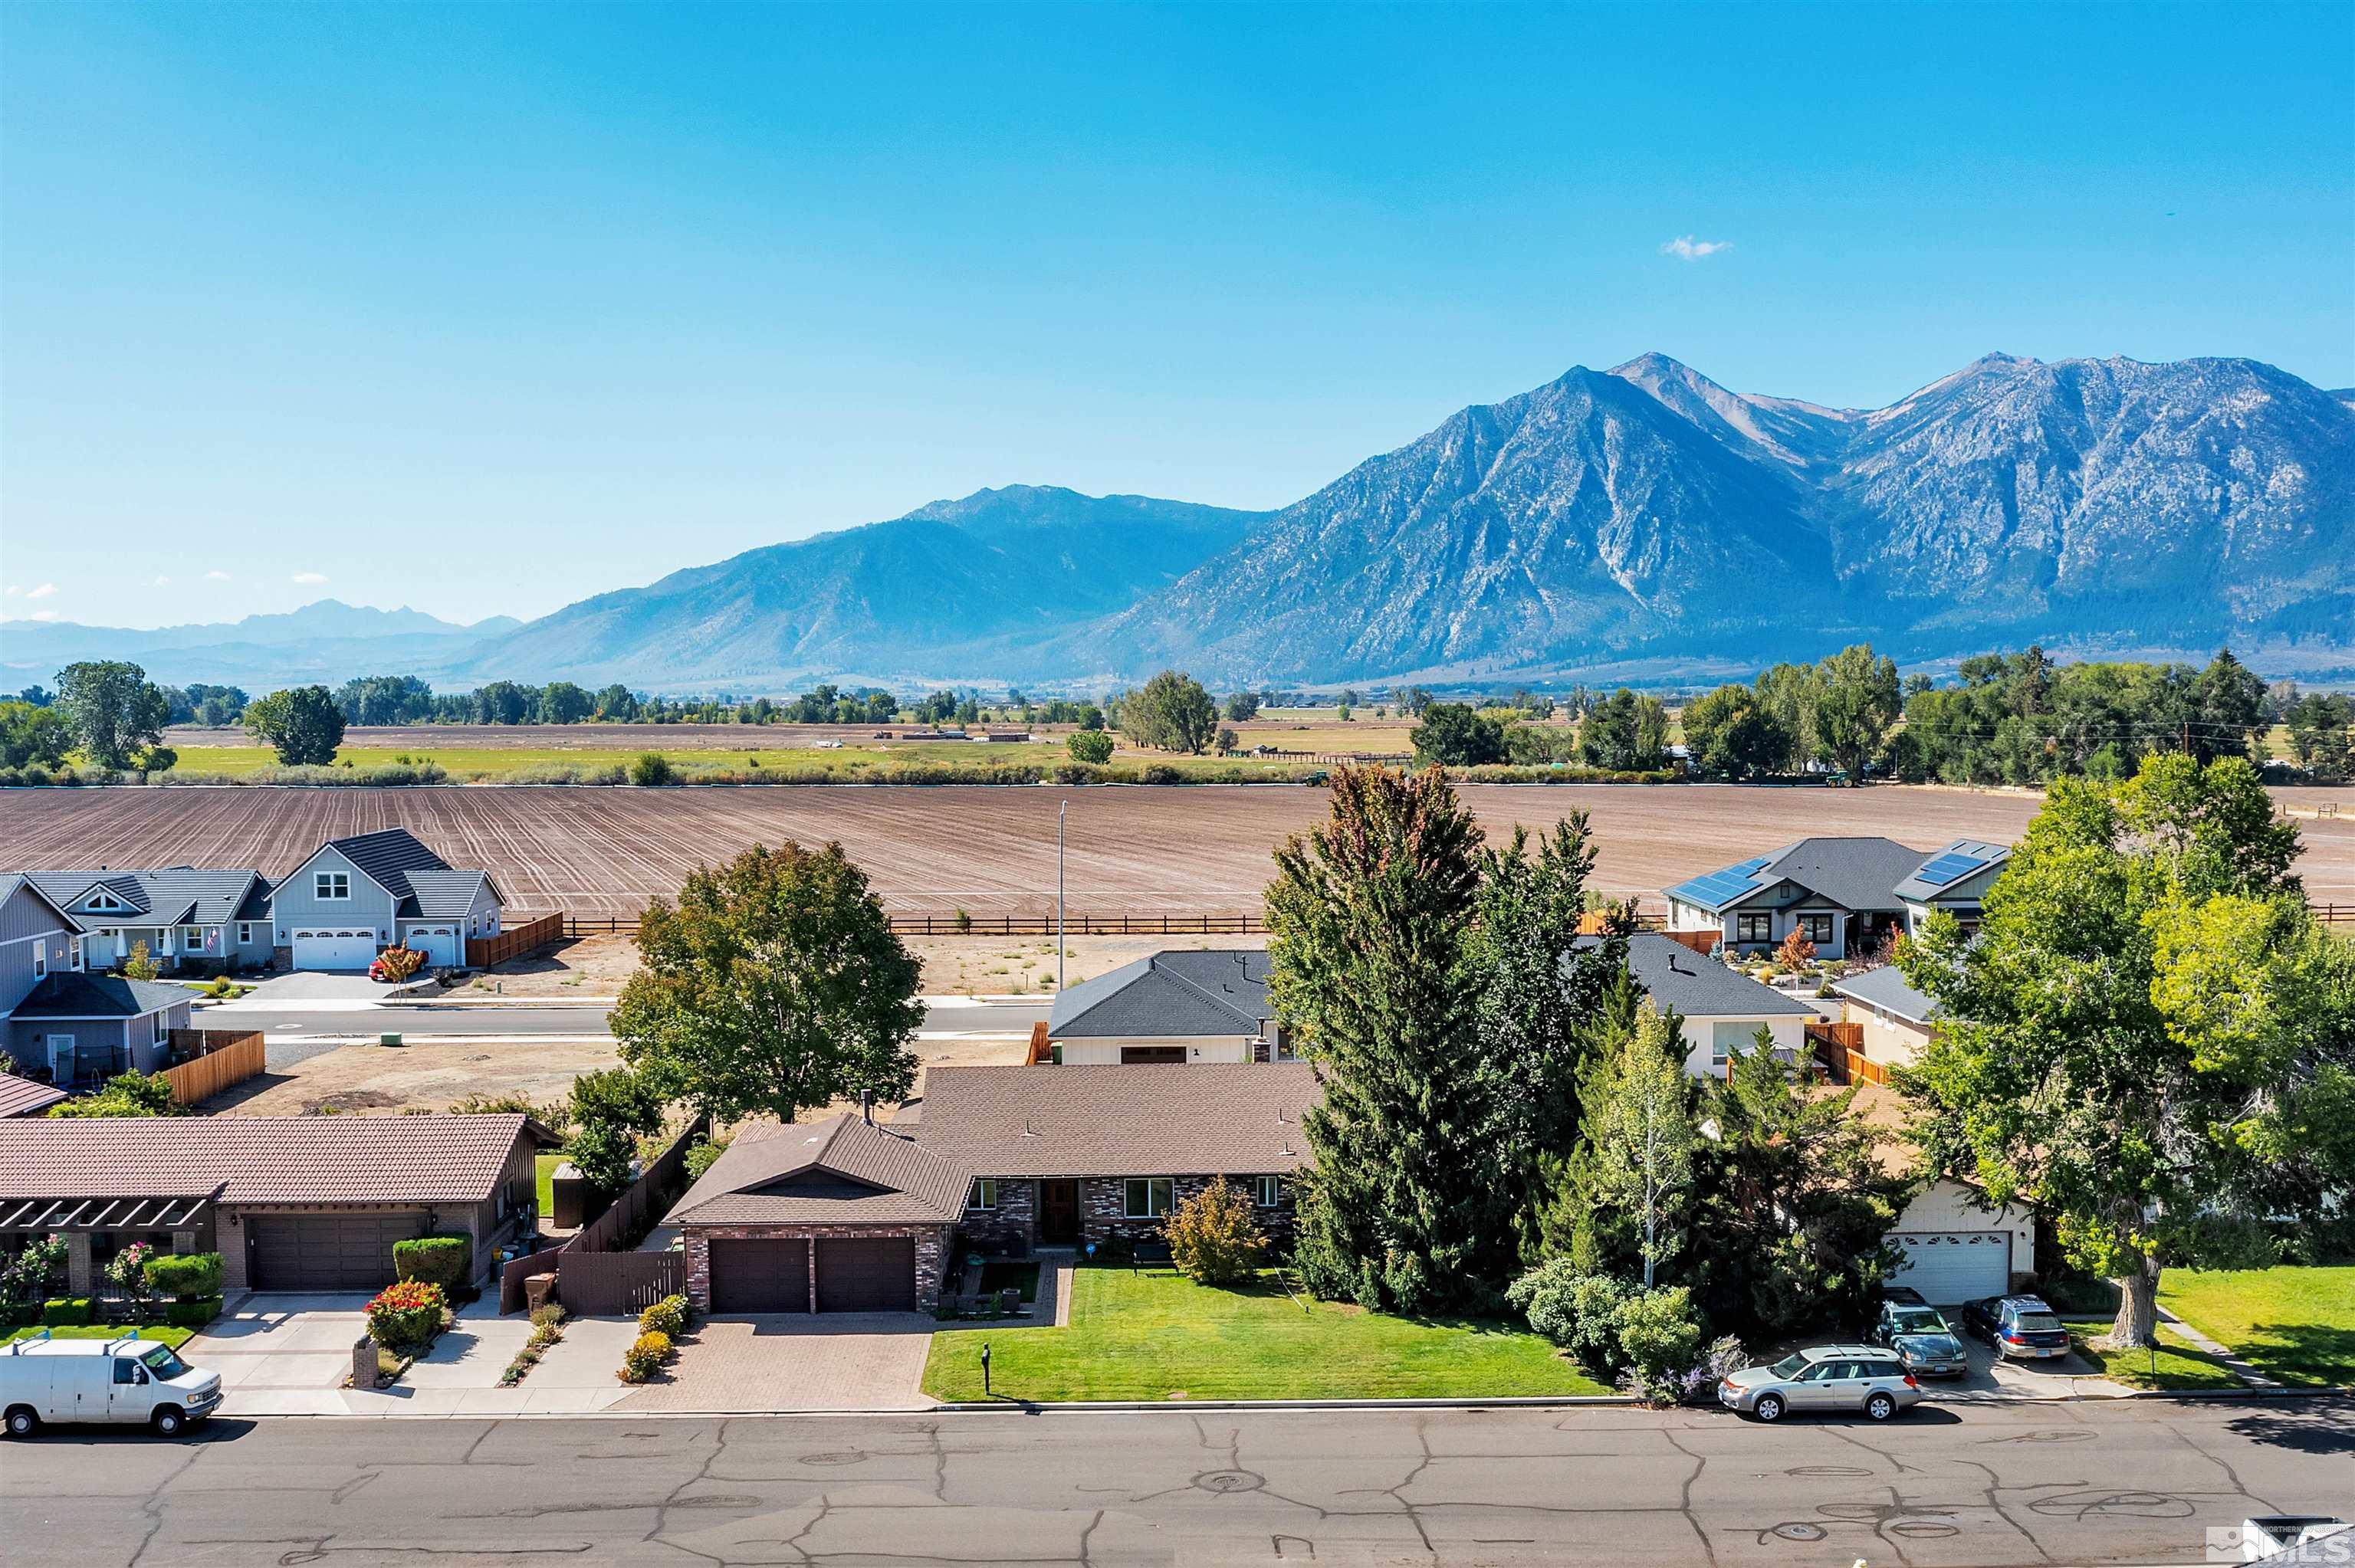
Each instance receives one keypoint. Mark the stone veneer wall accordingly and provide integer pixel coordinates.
(931, 1244)
(1103, 1200)
(1015, 1218)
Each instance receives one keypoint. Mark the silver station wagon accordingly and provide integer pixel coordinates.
(1865, 1379)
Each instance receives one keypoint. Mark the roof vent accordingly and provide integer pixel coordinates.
(1028, 1130)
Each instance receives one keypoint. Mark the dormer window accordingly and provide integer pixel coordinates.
(104, 901)
(329, 885)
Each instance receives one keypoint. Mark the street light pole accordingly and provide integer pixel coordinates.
(1060, 810)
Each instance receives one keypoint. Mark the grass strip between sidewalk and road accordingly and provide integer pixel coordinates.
(1153, 1334)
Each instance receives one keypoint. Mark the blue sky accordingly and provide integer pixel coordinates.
(486, 308)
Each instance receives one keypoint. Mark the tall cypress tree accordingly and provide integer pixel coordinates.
(1367, 919)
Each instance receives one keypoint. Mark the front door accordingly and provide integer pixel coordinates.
(61, 1061)
(1059, 1212)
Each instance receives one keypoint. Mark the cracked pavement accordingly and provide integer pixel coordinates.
(2099, 1482)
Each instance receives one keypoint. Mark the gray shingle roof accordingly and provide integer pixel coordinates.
(837, 1171)
(172, 895)
(1885, 988)
(1697, 987)
(1208, 991)
(443, 894)
(262, 1159)
(98, 996)
(1233, 1119)
(1859, 873)
(387, 857)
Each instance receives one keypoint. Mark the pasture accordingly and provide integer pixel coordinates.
(602, 852)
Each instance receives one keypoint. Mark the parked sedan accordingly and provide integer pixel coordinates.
(2021, 1327)
(1864, 1378)
(1922, 1339)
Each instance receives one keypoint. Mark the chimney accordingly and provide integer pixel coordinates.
(867, 1106)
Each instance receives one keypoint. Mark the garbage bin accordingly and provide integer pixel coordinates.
(538, 1291)
(388, 1039)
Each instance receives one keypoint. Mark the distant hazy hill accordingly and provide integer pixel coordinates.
(886, 600)
(1648, 513)
(328, 641)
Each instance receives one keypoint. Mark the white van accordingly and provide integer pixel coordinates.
(124, 1379)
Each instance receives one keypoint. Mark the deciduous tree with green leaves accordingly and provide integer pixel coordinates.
(115, 712)
(303, 724)
(1172, 713)
(1456, 735)
(774, 985)
(2148, 1036)
(1639, 1121)
(1856, 700)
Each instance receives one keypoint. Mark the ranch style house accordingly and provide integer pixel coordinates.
(1845, 895)
(350, 899)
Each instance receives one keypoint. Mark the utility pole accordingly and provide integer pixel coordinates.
(1060, 810)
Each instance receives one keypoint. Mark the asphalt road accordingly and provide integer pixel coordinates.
(2135, 1482)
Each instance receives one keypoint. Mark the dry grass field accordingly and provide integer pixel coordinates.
(597, 852)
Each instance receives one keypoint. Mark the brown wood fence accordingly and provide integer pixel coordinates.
(610, 1237)
(223, 1059)
(481, 952)
(1841, 1048)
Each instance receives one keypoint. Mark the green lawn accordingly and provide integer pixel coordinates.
(2177, 1366)
(154, 1333)
(2295, 1325)
(544, 1169)
(1154, 1334)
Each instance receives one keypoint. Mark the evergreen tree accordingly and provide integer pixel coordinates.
(1367, 919)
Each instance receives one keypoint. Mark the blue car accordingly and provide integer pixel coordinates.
(2021, 1327)
(1922, 1338)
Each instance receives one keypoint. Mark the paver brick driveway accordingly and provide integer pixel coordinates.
(837, 1361)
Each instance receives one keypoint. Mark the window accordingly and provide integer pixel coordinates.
(41, 960)
(163, 1028)
(332, 884)
(192, 940)
(1759, 927)
(73, 951)
(1817, 928)
(105, 901)
(245, 932)
(984, 1194)
(1267, 1192)
(1149, 1197)
(125, 1370)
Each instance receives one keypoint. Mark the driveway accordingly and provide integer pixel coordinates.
(1993, 1378)
(286, 1354)
(314, 989)
(833, 1362)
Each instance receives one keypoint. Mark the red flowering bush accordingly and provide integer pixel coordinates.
(406, 1313)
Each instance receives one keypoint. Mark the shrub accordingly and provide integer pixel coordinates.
(127, 1271)
(125, 1094)
(1090, 745)
(644, 1357)
(141, 964)
(1214, 1237)
(406, 1313)
(1161, 773)
(185, 1275)
(548, 1317)
(396, 964)
(701, 1157)
(40, 1268)
(66, 1311)
(447, 1261)
(1578, 1312)
(649, 768)
(666, 1317)
(1659, 1339)
(192, 1311)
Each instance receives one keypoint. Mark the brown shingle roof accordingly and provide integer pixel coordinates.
(262, 1159)
(842, 1170)
(22, 1096)
(1231, 1118)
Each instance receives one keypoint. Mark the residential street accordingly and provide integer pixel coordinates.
(2108, 1482)
(556, 1019)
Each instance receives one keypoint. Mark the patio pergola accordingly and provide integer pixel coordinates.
(40, 1216)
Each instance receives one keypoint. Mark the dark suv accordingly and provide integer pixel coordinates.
(2016, 1326)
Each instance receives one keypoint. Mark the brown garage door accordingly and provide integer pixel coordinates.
(760, 1276)
(867, 1276)
(327, 1251)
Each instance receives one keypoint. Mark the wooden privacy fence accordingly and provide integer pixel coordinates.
(223, 1058)
(1841, 1048)
(596, 1273)
(481, 952)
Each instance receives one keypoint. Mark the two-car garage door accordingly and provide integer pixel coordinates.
(863, 1274)
(1952, 1267)
(335, 948)
(327, 1251)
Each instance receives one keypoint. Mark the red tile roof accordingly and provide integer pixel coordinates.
(1210, 1118)
(22, 1096)
(261, 1159)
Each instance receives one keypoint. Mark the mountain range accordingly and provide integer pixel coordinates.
(328, 641)
(1637, 520)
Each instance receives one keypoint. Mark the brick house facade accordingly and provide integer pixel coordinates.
(931, 1244)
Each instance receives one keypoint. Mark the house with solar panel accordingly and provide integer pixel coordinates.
(1845, 895)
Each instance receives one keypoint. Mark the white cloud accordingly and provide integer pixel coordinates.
(44, 591)
(161, 580)
(1685, 248)
(46, 615)
(310, 579)
(217, 576)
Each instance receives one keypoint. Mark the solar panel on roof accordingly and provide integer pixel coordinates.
(1720, 886)
(1947, 867)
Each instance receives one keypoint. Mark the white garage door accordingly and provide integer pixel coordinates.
(334, 949)
(438, 943)
(1952, 1267)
